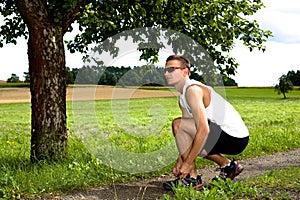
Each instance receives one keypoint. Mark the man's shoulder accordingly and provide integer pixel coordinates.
(194, 88)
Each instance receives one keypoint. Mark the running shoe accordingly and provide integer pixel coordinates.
(196, 183)
(230, 171)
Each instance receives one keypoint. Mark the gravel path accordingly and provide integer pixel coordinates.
(152, 188)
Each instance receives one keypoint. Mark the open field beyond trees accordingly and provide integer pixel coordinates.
(274, 125)
(84, 92)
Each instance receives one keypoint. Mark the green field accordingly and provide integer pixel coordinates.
(10, 85)
(98, 130)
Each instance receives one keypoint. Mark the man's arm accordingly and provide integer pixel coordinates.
(194, 97)
(178, 164)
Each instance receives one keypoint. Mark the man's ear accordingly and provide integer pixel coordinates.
(186, 72)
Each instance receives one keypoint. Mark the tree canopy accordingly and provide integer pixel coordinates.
(214, 24)
(294, 77)
(283, 86)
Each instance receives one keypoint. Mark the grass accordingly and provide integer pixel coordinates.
(276, 184)
(10, 85)
(109, 140)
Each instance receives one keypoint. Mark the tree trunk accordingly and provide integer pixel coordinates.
(47, 82)
(48, 93)
(47, 77)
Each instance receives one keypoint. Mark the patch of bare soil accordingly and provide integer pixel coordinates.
(22, 95)
(153, 188)
(14, 95)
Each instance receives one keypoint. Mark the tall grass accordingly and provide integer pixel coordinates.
(273, 124)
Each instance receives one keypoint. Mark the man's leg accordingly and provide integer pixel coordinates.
(212, 150)
(219, 159)
(184, 131)
(228, 169)
(228, 145)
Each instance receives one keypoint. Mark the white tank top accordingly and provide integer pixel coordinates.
(219, 111)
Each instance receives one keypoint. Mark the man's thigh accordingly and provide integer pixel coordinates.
(186, 134)
(188, 126)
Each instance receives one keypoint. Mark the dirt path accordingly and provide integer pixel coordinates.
(152, 188)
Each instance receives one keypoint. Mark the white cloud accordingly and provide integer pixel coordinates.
(282, 18)
(289, 6)
(264, 68)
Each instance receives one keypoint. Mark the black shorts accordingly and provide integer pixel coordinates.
(220, 142)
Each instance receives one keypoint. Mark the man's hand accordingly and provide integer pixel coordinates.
(176, 168)
(185, 170)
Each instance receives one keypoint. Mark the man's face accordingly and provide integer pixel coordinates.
(173, 71)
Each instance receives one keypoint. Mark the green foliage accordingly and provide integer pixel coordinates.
(276, 184)
(213, 24)
(227, 81)
(284, 86)
(149, 75)
(9, 188)
(121, 76)
(13, 79)
(11, 85)
(26, 77)
(294, 77)
(13, 26)
(218, 189)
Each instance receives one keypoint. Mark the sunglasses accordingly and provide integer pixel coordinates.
(171, 69)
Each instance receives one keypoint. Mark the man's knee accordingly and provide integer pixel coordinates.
(175, 125)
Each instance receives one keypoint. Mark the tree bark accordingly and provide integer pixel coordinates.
(47, 82)
(48, 92)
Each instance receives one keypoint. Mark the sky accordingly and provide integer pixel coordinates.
(282, 53)
(256, 68)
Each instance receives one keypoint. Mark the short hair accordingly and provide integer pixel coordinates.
(184, 61)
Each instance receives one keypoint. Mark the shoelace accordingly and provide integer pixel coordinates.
(188, 180)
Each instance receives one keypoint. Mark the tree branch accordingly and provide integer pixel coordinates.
(33, 12)
(70, 15)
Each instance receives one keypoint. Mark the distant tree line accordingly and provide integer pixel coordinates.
(16, 79)
(294, 77)
(122, 76)
(130, 76)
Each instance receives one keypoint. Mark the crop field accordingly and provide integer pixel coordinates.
(137, 130)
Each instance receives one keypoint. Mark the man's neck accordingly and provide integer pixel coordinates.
(179, 86)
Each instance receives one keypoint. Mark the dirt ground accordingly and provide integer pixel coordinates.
(152, 188)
